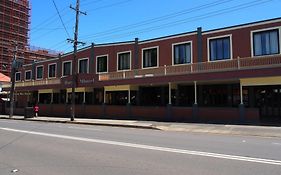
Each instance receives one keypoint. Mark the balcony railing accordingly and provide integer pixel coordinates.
(204, 67)
(35, 83)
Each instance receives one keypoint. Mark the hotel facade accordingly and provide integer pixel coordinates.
(231, 74)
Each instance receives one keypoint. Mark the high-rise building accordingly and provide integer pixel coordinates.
(14, 29)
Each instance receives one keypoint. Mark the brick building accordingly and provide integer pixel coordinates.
(14, 28)
(230, 74)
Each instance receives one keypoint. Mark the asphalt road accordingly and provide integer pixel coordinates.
(36, 148)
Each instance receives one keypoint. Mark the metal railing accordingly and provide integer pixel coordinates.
(204, 67)
(34, 83)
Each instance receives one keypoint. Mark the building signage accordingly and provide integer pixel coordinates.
(85, 81)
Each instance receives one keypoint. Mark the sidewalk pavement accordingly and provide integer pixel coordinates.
(244, 130)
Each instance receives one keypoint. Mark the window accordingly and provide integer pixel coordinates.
(39, 72)
(83, 66)
(150, 57)
(124, 60)
(28, 75)
(52, 70)
(66, 68)
(17, 76)
(219, 49)
(182, 53)
(266, 42)
(102, 64)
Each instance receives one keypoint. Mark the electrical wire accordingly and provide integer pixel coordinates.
(195, 18)
(161, 18)
(61, 19)
(110, 5)
(87, 3)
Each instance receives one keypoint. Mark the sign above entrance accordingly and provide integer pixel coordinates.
(86, 81)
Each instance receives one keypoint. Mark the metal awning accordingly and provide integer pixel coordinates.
(261, 81)
(80, 89)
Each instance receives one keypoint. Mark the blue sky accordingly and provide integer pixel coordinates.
(123, 20)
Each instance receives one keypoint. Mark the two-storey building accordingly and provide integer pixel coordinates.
(231, 74)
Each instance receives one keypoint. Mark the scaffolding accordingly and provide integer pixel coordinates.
(14, 27)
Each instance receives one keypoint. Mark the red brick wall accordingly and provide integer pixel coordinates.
(117, 111)
(93, 111)
(218, 114)
(181, 113)
(252, 115)
(152, 113)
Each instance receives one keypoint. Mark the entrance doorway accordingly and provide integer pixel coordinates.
(268, 100)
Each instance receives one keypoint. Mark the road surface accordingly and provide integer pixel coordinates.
(37, 148)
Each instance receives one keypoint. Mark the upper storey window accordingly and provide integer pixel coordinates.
(52, 70)
(17, 76)
(219, 48)
(124, 60)
(83, 65)
(102, 64)
(28, 75)
(66, 68)
(150, 57)
(182, 53)
(39, 72)
(266, 42)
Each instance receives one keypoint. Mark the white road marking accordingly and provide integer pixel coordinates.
(276, 143)
(90, 129)
(155, 148)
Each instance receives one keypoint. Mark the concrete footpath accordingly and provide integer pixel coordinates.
(246, 130)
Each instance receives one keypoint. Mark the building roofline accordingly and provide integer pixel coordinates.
(168, 36)
(255, 23)
(177, 35)
(99, 45)
(272, 20)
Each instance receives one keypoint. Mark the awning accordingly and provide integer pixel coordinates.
(48, 91)
(80, 89)
(261, 81)
(4, 78)
(120, 88)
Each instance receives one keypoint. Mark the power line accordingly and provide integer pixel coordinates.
(48, 20)
(110, 5)
(195, 18)
(161, 18)
(70, 20)
(91, 2)
(61, 19)
(58, 28)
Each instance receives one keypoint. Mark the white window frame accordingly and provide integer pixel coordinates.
(191, 52)
(97, 63)
(49, 70)
(37, 72)
(62, 68)
(147, 48)
(81, 59)
(263, 30)
(118, 53)
(218, 37)
(16, 76)
(30, 75)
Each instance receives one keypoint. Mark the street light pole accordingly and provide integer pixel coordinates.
(13, 71)
(74, 72)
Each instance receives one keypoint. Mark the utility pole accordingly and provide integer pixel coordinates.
(74, 72)
(13, 71)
